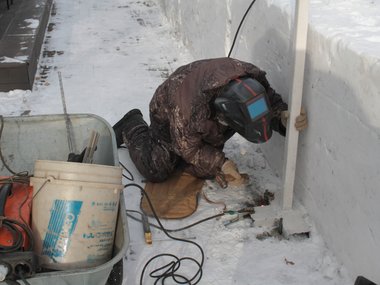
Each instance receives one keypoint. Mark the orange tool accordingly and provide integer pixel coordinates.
(17, 207)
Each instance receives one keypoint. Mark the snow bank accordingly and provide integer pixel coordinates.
(339, 154)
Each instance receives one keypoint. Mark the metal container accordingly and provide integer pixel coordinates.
(27, 139)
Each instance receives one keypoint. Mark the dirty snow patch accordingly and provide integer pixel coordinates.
(32, 23)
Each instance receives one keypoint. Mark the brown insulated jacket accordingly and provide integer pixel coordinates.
(182, 115)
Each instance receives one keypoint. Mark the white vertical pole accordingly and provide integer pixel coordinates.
(295, 100)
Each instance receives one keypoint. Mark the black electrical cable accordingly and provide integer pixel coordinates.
(17, 236)
(1, 154)
(175, 230)
(15, 227)
(169, 270)
(29, 230)
(130, 178)
(12, 225)
(238, 29)
(22, 177)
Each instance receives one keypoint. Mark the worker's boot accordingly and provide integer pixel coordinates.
(130, 126)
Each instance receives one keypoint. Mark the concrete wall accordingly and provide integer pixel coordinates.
(338, 166)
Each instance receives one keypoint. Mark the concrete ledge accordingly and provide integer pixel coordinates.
(23, 31)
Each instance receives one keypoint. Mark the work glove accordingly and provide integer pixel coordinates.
(301, 119)
(232, 175)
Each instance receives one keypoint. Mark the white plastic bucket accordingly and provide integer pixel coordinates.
(74, 213)
(63, 170)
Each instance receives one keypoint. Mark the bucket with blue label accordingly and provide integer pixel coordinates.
(74, 213)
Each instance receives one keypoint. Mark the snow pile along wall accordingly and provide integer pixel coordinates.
(338, 166)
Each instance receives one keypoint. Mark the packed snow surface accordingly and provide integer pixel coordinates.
(112, 56)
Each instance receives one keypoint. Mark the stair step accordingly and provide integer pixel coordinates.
(21, 41)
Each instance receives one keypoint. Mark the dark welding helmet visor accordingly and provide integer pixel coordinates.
(244, 106)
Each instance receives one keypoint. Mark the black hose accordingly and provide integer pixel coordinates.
(1, 154)
(175, 230)
(170, 269)
(13, 226)
(238, 29)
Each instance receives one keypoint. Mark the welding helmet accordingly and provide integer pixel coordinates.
(244, 106)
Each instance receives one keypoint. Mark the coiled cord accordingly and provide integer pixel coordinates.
(170, 270)
(12, 225)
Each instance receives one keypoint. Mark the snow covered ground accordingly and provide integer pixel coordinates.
(112, 55)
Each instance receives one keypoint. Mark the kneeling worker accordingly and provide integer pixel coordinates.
(195, 111)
